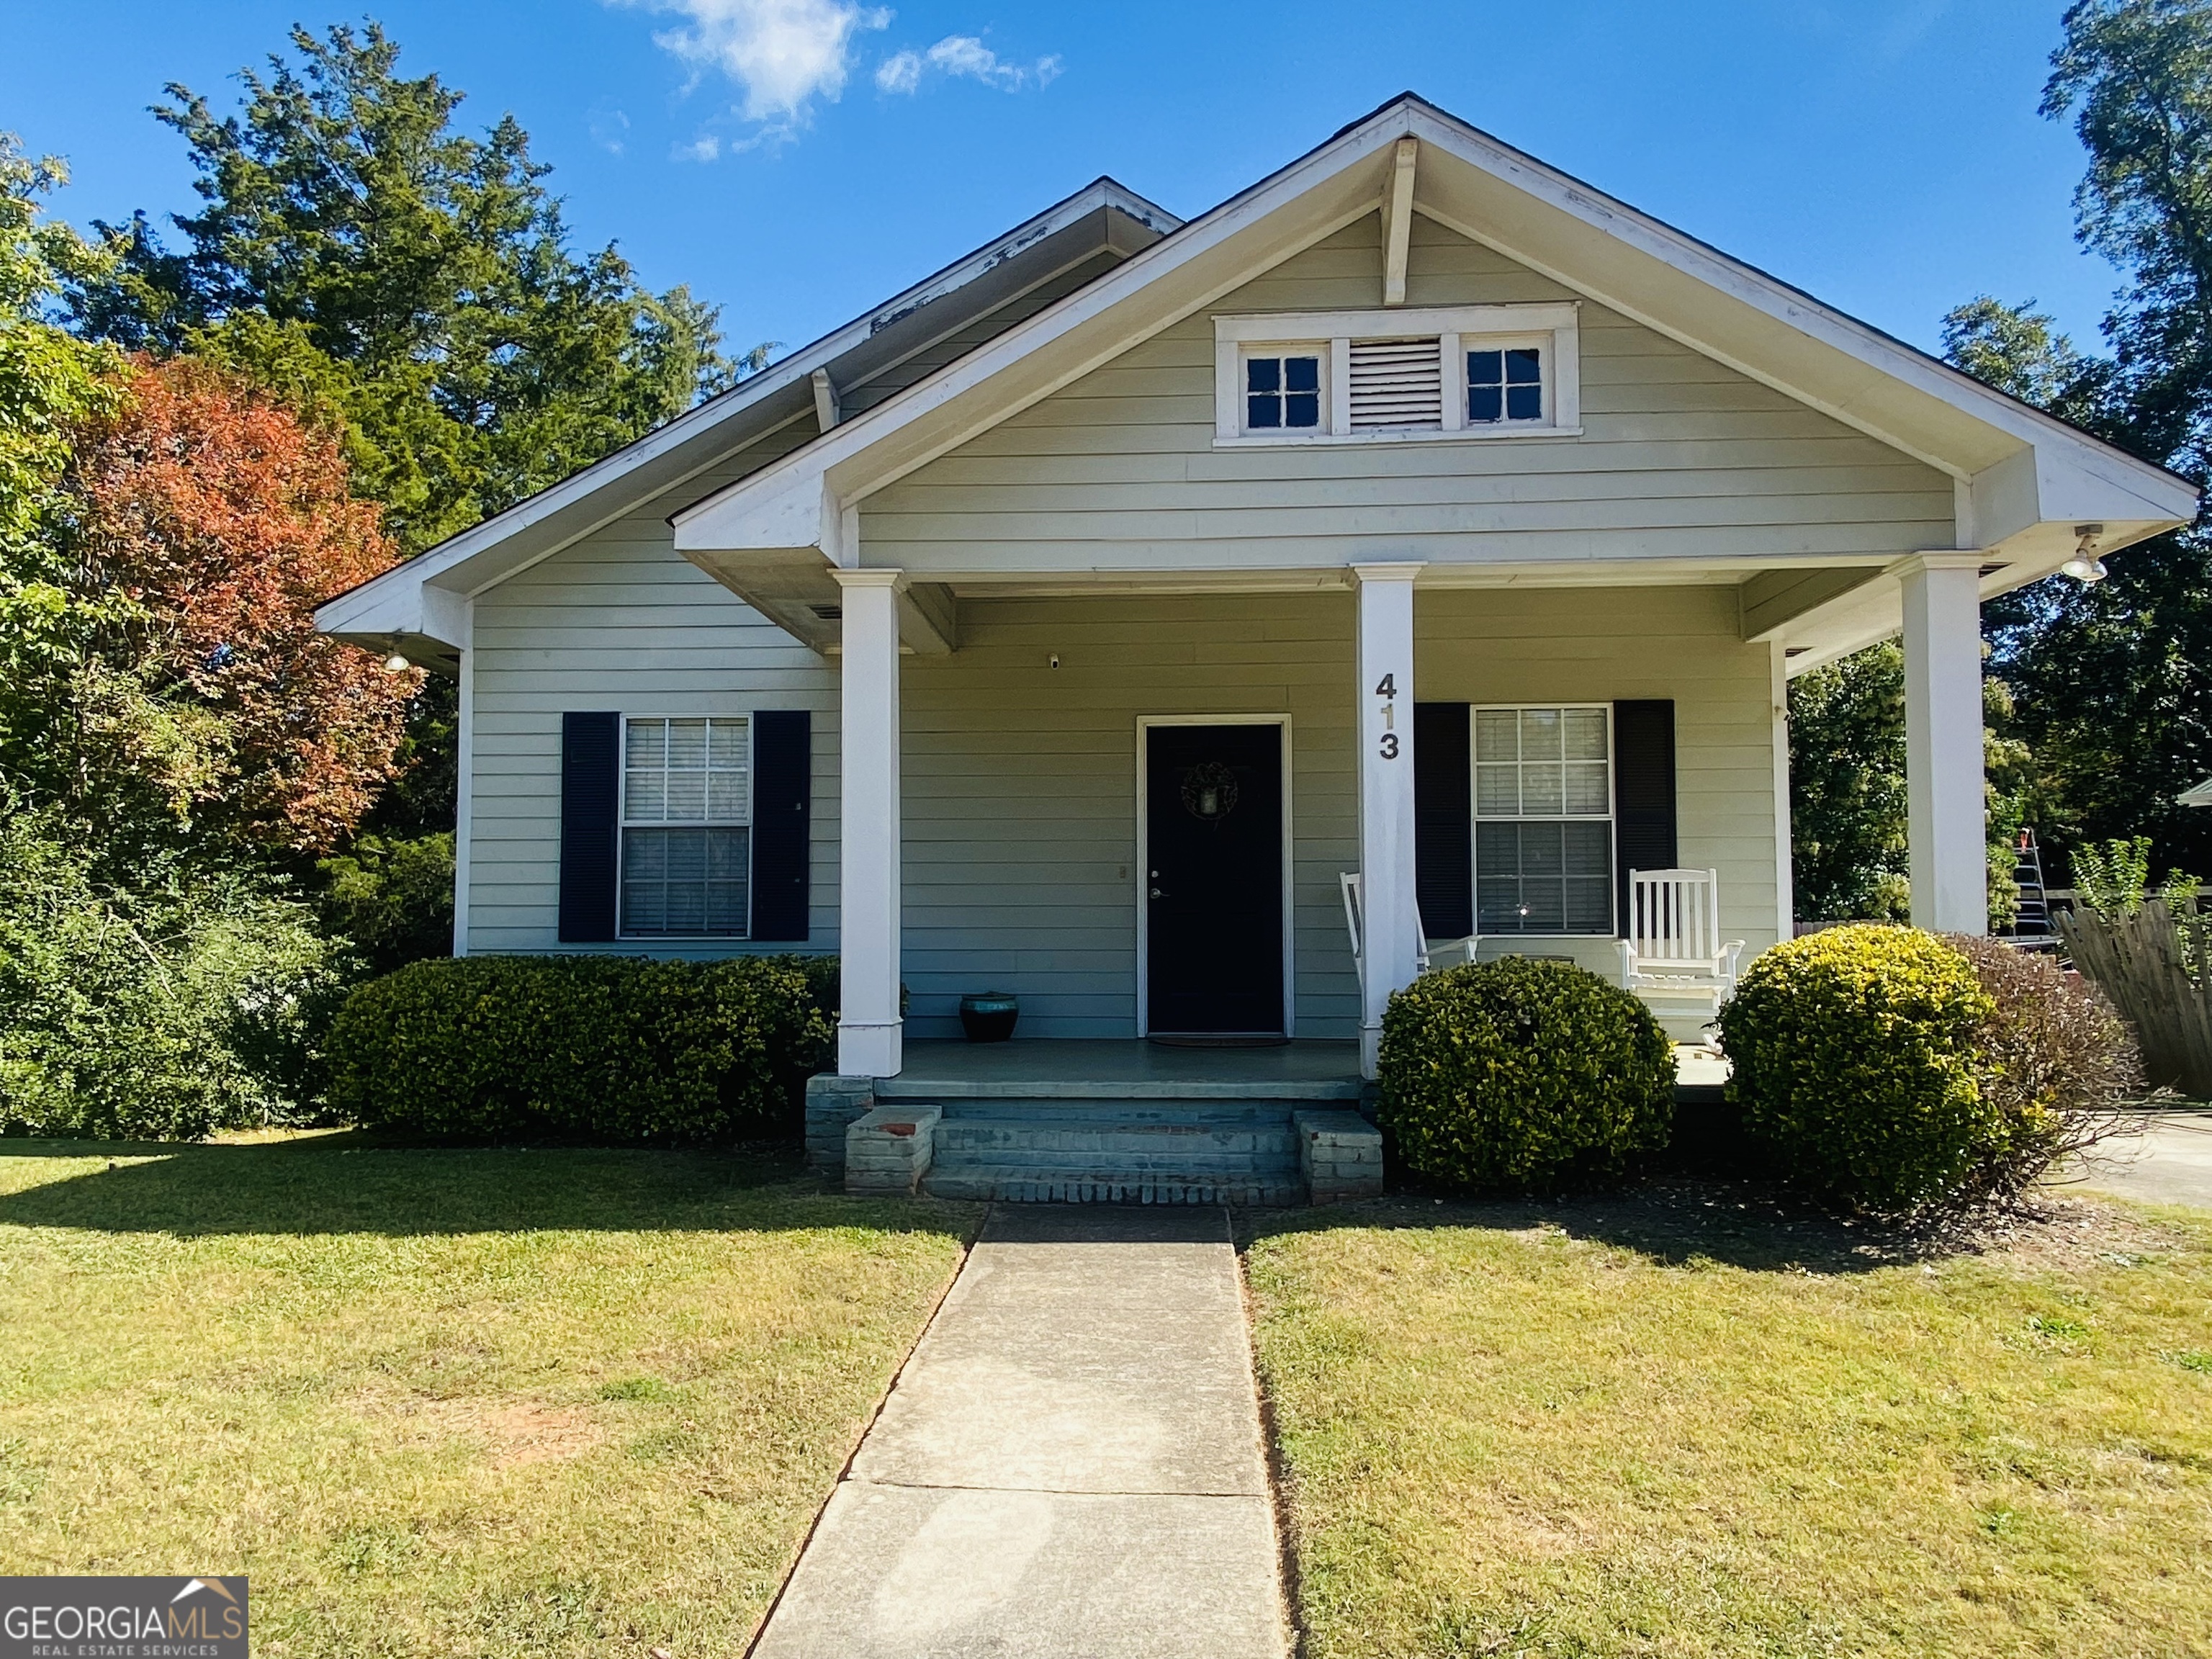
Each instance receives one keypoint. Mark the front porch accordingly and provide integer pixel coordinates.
(1118, 1121)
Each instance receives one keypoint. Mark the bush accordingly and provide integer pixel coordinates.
(2054, 1059)
(195, 1002)
(606, 1049)
(1521, 1073)
(1854, 1062)
(393, 897)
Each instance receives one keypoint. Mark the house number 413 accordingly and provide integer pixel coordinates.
(1387, 690)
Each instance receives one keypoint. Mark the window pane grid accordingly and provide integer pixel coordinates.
(686, 845)
(1544, 831)
(1504, 383)
(1282, 393)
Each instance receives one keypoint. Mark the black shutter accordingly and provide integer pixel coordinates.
(590, 796)
(1643, 794)
(1443, 821)
(783, 777)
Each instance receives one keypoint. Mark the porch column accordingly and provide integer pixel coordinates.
(1943, 742)
(868, 1027)
(1391, 952)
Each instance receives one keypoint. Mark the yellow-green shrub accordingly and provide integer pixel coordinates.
(1855, 1061)
(608, 1049)
(1520, 1073)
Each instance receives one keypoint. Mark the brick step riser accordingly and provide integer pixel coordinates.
(1025, 1186)
(1233, 1113)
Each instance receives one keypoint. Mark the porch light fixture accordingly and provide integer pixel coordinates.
(2085, 566)
(396, 664)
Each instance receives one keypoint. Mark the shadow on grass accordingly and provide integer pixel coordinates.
(1672, 1219)
(350, 1183)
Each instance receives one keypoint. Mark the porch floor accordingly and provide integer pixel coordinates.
(1122, 1069)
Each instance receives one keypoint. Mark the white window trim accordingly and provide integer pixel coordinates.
(623, 826)
(1554, 328)
(1475, 818)
(1320, 349)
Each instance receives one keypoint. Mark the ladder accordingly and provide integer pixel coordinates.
(2030, 924)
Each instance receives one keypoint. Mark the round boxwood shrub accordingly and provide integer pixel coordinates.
(1855, 1061)
(1522, 1074)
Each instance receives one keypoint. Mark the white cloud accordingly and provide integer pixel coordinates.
(610, 127)
(705, 148)
(964, 54)
(901, 72)
(783, 52)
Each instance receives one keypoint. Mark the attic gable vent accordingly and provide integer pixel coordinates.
(1397, 383)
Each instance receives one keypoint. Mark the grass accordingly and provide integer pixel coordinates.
(469, 1403)
(1675, 1422)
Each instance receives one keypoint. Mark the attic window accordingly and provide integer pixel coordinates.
(1458, 372)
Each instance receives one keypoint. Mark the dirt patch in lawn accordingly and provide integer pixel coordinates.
(512, 1430)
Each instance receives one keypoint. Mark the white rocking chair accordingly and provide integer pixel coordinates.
(1452, 953)
(1673, 952)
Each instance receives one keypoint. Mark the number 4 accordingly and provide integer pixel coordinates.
(1389, 688)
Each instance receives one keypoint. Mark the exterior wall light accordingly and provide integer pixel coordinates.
(396, 664)
(2085, 566)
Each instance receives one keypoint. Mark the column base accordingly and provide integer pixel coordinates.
(1370, 1048)
(871, 1049)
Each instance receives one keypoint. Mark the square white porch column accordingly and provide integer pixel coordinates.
(1391, 952)
(869, 1029)
(1943, 768)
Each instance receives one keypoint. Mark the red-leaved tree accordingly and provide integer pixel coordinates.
(224, 522)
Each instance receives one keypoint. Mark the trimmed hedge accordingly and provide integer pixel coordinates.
(1522, 1074)
(1855, 1061)
(613, 1050)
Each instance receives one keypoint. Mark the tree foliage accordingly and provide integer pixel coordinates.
(2112, 684)
(218, 523)
(357, 253)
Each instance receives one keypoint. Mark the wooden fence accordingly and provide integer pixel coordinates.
(2155, 968)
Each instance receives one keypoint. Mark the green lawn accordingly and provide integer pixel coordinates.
(444, 1403)
(1657, 1424)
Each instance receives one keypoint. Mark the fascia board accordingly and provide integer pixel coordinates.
(659, 461)
(1742, 316)
(1212, 255)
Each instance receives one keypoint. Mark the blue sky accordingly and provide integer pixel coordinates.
(795, 161)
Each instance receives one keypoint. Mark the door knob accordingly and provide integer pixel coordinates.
(1155, 893)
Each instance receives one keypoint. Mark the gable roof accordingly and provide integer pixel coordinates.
(2024, 479)
(416, 607)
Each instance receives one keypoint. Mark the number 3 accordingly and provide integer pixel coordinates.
(1389, 746)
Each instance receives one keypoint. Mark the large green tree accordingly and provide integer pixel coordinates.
(355, 248)
(2112, 684)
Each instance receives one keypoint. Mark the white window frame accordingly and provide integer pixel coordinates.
(1288, 348)
(1554, 329)
(1476, 819)
(623, 824)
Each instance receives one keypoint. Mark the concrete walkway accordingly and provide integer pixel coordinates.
(2170, 1163)
(1069, 1464)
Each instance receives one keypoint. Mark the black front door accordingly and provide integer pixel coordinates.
(1213, 829)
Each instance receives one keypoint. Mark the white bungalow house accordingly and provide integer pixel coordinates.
(1071, 623)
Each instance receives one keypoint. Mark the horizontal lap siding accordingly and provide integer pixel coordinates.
(1604, 645)
(1680, 457)
(620, 621)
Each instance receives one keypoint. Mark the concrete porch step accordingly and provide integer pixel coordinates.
(1151, 1142)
